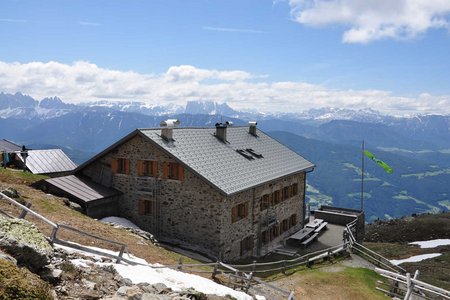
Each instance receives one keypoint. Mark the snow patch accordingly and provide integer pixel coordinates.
(120, 221)
(145, 272)
(415, 258)
(432, 243)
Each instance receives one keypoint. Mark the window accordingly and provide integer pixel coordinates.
(265, 236)
(120, 165)
(286, 192)
(264, 202)
(173, 170)
(285, 225)
(275, 230)
(271, 200)
(145, 207)
(293, 220)
(247, 244)
(239, 212)
(276, 197)
(148, 168)
(295, 189)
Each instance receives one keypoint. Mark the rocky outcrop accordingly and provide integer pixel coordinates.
(23, 241)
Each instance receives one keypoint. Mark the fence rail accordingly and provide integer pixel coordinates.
(365, 252)
(55, 228)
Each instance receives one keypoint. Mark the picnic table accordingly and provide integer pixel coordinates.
(302, 234)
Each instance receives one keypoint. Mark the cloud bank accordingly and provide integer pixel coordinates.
(83, 81)
(371, 20)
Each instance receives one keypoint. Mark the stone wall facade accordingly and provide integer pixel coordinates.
(191, 213)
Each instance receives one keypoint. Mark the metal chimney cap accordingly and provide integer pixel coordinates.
(170, 123)
(229, 123)
(252, 123)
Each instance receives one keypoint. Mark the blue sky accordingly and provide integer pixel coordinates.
(287, 55)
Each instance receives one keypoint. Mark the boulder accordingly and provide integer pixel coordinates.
(23, 241)
(51, 274)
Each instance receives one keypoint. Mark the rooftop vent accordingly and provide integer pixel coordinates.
(221, 131)
(167, 128)
(252, 128)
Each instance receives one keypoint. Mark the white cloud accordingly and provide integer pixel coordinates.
(84, 81)
(371, 20)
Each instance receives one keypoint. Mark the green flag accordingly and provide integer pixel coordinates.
(382, 164)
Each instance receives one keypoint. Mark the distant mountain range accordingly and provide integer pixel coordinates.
(25, 107)
(417, 147)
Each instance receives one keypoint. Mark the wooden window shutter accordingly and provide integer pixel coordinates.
(252, 243)
(127, 166)
(140, 168)
(234, 214)
(155, 168)
(180, 172)
(165, 170)
(141, 207)
(114, 165)
(245, 209)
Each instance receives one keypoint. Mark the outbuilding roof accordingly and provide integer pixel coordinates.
(48, 161)
(242, 162)
(9, 146)
(84, 190)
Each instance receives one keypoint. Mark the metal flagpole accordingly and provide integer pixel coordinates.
(362, 176)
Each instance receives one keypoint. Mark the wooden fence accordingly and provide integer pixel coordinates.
(56, 227)
(405, 286)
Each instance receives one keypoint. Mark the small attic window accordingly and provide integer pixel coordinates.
(245, 154)
(254, 153)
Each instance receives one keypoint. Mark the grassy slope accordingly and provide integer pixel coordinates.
(391, 238)
(331, 280)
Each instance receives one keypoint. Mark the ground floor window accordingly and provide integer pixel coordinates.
(145, 207)
(247, 244)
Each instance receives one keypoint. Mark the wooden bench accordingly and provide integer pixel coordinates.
(310, 239)
(322, 226)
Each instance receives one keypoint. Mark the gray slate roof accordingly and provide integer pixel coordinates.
(82, 189)
(221, 165)
(48, 161)
(9, 146)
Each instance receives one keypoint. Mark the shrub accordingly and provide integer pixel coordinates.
(19, 283)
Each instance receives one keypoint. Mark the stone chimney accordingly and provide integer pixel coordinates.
(252, 128)
(221, 131)
(167, 128)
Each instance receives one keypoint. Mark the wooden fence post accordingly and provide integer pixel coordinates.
(53, 234)
(119, 258)
(409, 287)
(215, 271)
(249, 282)
(180, 264)
(24, 212)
